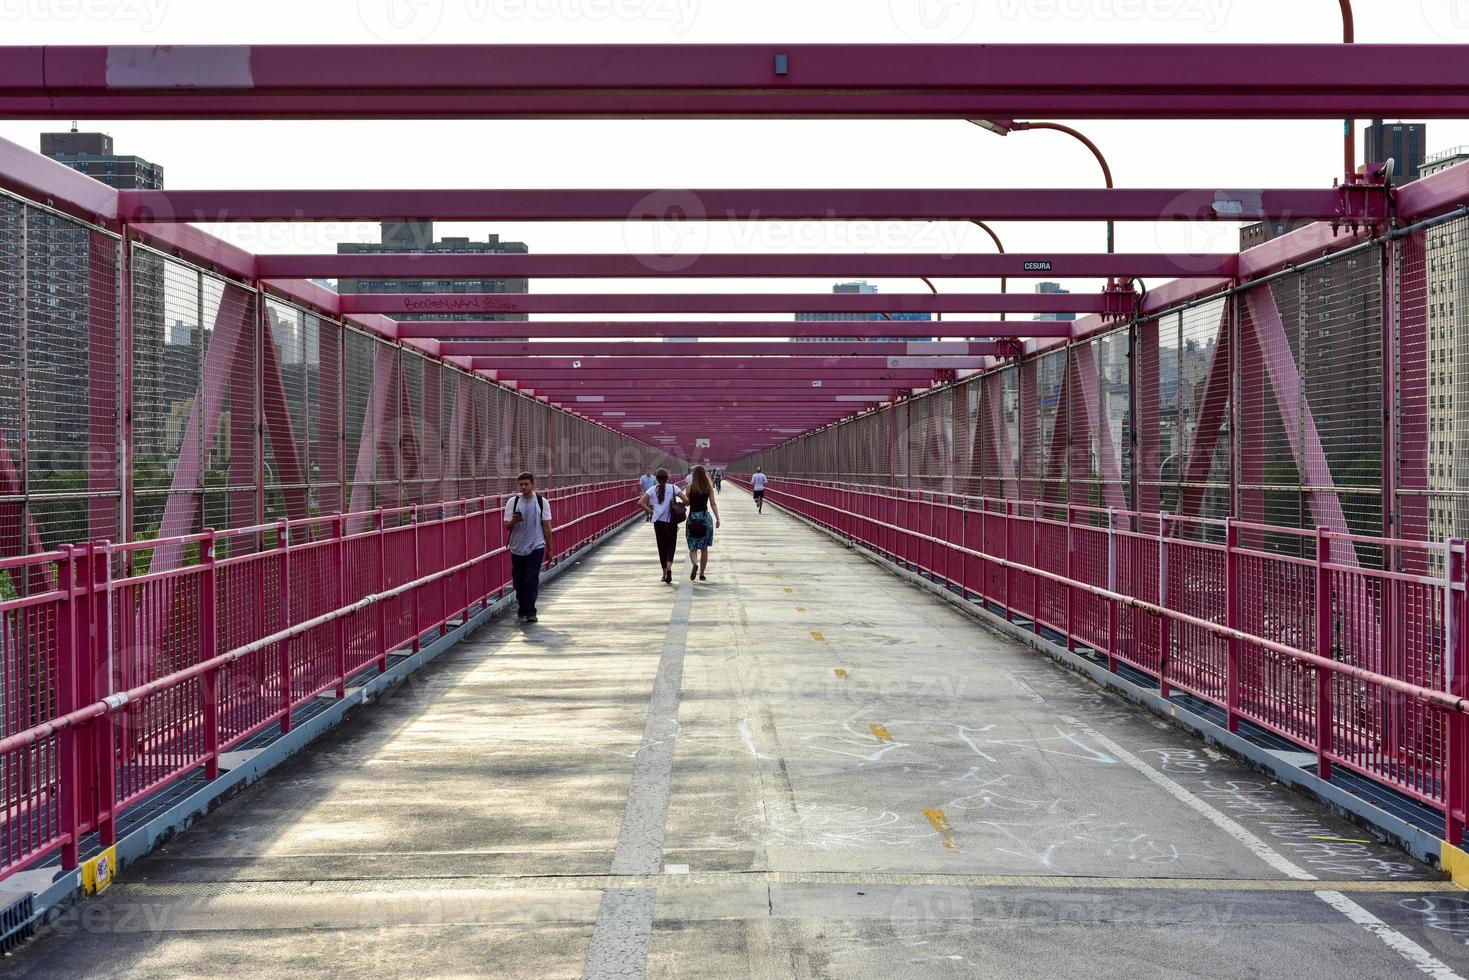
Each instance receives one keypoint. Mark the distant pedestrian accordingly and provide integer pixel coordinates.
(659, 504)
(718, 480)
(528, 519)
(646, 482)
(703, 519)
(758, 481)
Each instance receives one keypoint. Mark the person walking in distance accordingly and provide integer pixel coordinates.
(660, 504)
(528, 519)
(646, 482)
(758, 481)
(699, 532)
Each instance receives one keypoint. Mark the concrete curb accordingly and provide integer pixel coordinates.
(51, 891)
(1424, 846)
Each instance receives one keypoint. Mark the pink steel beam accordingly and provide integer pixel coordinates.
(789, 204)
(574, 386)
(735, 348)
(231, 339)
(817, 367)
(1299, 422)
(1209, 426)
(422, 303)
(615, 329)
(949, 81)
(705, 377)
(435, 265)
(1087, 398)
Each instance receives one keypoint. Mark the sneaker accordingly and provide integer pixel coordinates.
(519, 615)
(693, 573)
(532, 618)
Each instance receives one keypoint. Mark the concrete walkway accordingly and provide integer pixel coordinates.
(801, 768)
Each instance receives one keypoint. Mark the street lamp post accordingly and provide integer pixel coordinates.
(1004, 127)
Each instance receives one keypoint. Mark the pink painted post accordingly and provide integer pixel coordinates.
(1008, 572)
(1323, 649)
(1071, 577)
(1111, 586)
(339, 568)
(70, 660)
(1231, 621)
(208, 649)
(1165, 623)
(99, 587)
(283, 546)
(465, 575)
(1037, 583)
(413, 594)
(1456, 765)
(380, 536)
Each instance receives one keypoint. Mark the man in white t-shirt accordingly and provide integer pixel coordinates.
(528, 519)
(758, 481)
(647, 482)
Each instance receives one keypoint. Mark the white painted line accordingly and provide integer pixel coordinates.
(1419, 957)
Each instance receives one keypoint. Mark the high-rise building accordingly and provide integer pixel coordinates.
(91, 154)
(418, 236)
(862, 287)
(1401, 142)
(1053, 287)
(1447, 364)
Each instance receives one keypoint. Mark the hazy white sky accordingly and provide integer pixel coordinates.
(718, 153)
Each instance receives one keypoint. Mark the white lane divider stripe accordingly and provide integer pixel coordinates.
(1415, 954)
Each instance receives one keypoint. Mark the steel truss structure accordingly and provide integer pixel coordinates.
(225, 490)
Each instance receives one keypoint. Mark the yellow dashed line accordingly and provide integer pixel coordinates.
(798, 608)
(940, 821)
(880, 733)
(789, 589)
(816, 635)
(840, 673)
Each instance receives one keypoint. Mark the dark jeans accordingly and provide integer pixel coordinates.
(525, 572)
(667, 534)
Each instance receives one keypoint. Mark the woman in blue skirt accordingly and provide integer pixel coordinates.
(699, 529)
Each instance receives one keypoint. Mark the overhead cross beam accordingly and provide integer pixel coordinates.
(866, 349)
(955, 81)
(767, 204)
(614, 329)
(962, 265)
(767, 303)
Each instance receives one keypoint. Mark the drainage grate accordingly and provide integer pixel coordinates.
(16, 923)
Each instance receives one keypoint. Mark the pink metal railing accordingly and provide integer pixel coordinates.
(120, 680)
(1366, 667)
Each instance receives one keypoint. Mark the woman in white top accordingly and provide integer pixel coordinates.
(658, 503)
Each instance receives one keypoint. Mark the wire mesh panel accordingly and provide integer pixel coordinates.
(59, 371)
(1042, 432)
(1310, 383)
(14, 515)
(167, 358)
(225, 409)
(286, 412)
(1204, 364)
(1099, 417)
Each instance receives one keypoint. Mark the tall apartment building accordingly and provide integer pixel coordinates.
(1447, 365)
(92, 154)
(1401, 142)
